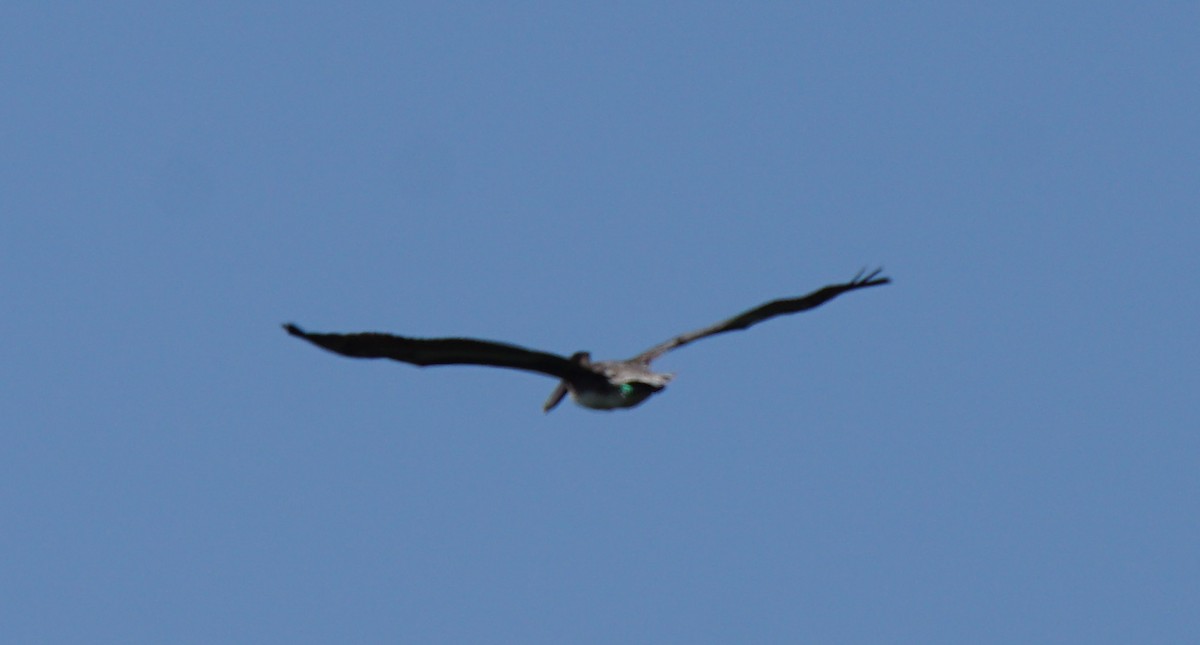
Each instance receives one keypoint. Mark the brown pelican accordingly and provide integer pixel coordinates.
(600, 385)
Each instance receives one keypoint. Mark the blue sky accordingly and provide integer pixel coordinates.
(999, 447)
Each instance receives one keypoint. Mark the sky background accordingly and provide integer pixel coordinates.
(999, 447)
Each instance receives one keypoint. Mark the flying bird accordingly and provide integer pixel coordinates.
(600, 385)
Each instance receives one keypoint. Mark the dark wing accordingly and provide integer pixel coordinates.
(447, 351)
(769, 310)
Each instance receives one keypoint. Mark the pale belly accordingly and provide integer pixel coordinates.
(626, 396)
(610, 400)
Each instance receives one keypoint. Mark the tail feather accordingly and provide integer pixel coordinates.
(555, 397)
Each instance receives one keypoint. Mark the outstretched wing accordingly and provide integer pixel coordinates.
(769, 310)
(447, 351)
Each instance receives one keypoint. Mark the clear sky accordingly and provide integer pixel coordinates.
(1000, 447)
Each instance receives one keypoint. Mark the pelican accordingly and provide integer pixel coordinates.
(599, 385)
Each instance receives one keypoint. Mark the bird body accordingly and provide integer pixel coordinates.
(626, 395)
(600, 385)
(628, 384)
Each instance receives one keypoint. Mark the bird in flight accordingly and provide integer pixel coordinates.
(600, 385)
